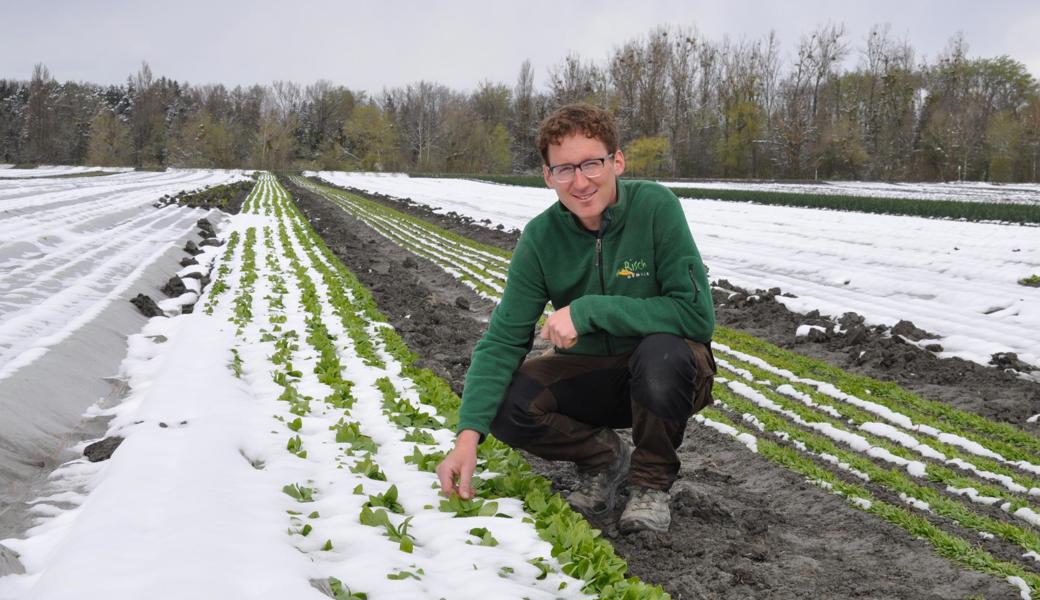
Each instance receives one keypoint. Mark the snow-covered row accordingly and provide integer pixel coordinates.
(956, 191)
(67, 253)
(958, 280)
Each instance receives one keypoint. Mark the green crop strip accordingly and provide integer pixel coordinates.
(375, 207)
(244, 297)
(893, 480)
(374, 214)
(422, 239)
(935, 209)
(936, 474)
(946, 544)
(857, 417)
(219, 286)
(1011, 442)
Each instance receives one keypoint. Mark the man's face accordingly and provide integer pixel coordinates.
(586, 197)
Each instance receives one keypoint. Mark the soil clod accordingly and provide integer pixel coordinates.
(103, 450)
(146, 306)
(1009, 360)
(174, 287)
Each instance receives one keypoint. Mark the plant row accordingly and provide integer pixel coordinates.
(482, 268)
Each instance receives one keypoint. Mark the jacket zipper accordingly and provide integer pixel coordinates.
(602, 284)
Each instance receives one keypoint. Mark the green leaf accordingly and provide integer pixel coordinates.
(299, 492)
(486, 539)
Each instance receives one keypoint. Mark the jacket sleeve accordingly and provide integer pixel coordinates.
(684, 306)
(506, 342)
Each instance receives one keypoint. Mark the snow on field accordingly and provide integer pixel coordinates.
(973, 191)
(955, 279)
(8, 171)
(69, 247)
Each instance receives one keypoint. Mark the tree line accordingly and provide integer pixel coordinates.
(687, 106)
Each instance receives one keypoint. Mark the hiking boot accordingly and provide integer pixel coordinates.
(597, 491)
(647, 510)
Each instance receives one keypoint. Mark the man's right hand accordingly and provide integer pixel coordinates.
(456, 470)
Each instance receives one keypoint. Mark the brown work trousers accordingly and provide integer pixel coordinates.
(564, 406)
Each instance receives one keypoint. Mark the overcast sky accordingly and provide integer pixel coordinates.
(375, 44)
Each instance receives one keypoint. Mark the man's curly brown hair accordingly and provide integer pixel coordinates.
(572, 119)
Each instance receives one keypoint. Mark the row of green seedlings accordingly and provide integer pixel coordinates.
(1011, 504)
(243, 302)
(465, 247)
(940, 209)
(757, 399)
(259, 202)
(284, 343)
(220, 285)
(224, 270)
(378, 508)
(862, 480)
(579, 548)
(1005, 439)
(491, 270)
(428, 237)
(480, 267)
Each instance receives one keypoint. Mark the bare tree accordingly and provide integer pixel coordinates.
(39, 117)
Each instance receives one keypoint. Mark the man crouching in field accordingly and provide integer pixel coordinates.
(632, 323)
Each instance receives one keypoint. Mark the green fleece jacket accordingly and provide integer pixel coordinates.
(639, 274)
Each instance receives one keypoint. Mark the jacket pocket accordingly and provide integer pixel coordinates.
(696, 290)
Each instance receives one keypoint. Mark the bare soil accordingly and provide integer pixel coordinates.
(742, 527)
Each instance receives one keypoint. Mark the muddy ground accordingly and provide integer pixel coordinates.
(742, 527)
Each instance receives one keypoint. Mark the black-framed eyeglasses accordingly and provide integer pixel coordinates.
(593, 168)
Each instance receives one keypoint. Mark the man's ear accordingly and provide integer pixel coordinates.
(619, 163)
(546, 176)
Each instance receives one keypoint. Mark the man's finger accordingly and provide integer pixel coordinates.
(465, 489)
(447, 477)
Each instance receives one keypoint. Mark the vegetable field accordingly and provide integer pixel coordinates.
(279, 441)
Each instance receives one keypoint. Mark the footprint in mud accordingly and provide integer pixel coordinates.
(691, 500)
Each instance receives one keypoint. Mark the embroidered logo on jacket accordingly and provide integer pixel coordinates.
(632, 269)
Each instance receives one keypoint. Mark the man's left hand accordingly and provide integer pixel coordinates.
(559, 329)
